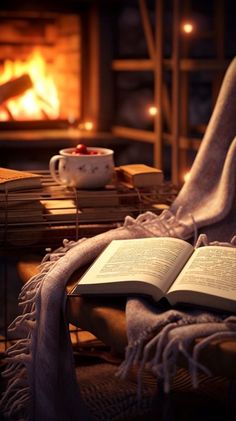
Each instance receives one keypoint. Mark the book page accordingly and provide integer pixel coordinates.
(153, 260)
(211, 270)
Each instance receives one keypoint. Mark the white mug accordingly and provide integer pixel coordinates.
(82, 171)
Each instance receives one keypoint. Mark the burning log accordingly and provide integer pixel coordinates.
(8, 112)
(15, 87)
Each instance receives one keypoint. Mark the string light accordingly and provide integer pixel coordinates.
(186, 176)
(187, 27)
(88, 125)
(152, 110)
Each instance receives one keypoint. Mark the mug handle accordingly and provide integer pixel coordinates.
(52, 167)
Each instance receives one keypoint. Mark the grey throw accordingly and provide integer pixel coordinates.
(40, 370)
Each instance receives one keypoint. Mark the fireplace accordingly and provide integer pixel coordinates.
(40, 68)
(71, 43)
(50, 81)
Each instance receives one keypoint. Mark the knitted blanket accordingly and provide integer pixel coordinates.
(40, 370)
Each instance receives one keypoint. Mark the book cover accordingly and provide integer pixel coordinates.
(18, 180)
(139, 175)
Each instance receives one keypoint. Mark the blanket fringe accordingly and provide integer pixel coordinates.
(166, 224)
(173, 335)
(161, 352)
(18, 355)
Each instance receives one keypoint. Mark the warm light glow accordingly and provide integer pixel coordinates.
(152, 110)
(187, 27)
(3, 115)
(88, 125)
(39, 102)
(186, 176)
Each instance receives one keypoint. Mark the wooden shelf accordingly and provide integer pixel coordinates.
(135, 65)
(187, 64)
(171, 124)
(50, 137)
(150, 137)
(134, 134)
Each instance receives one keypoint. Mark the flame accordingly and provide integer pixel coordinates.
(39, 102)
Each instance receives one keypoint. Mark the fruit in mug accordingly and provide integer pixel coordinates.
(81, 149)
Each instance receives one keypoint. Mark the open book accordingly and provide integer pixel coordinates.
(164, 267)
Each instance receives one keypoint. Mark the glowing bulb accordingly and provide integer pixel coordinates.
(88, 125)
(186, 176)
(152, 110)
(187, 27)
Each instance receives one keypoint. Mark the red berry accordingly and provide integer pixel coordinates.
(81, 149)
(93, 152)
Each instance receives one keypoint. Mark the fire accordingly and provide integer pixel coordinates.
(39, 102)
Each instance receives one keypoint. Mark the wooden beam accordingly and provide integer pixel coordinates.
(158, 77)
(134, 134)
(154, 45)
(184, 103)
(91, 65)
(175, 94)
(133, 65)
(150, 137)
(198, 64)
(188, 143)
(95, 64)
(147, 29)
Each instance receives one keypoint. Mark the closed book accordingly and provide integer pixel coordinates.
(18, 180)
(63, 210)
(139, 175)
(21, 213)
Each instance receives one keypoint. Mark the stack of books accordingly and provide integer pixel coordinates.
(15, 207)
(20, 205)
(12, 180)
